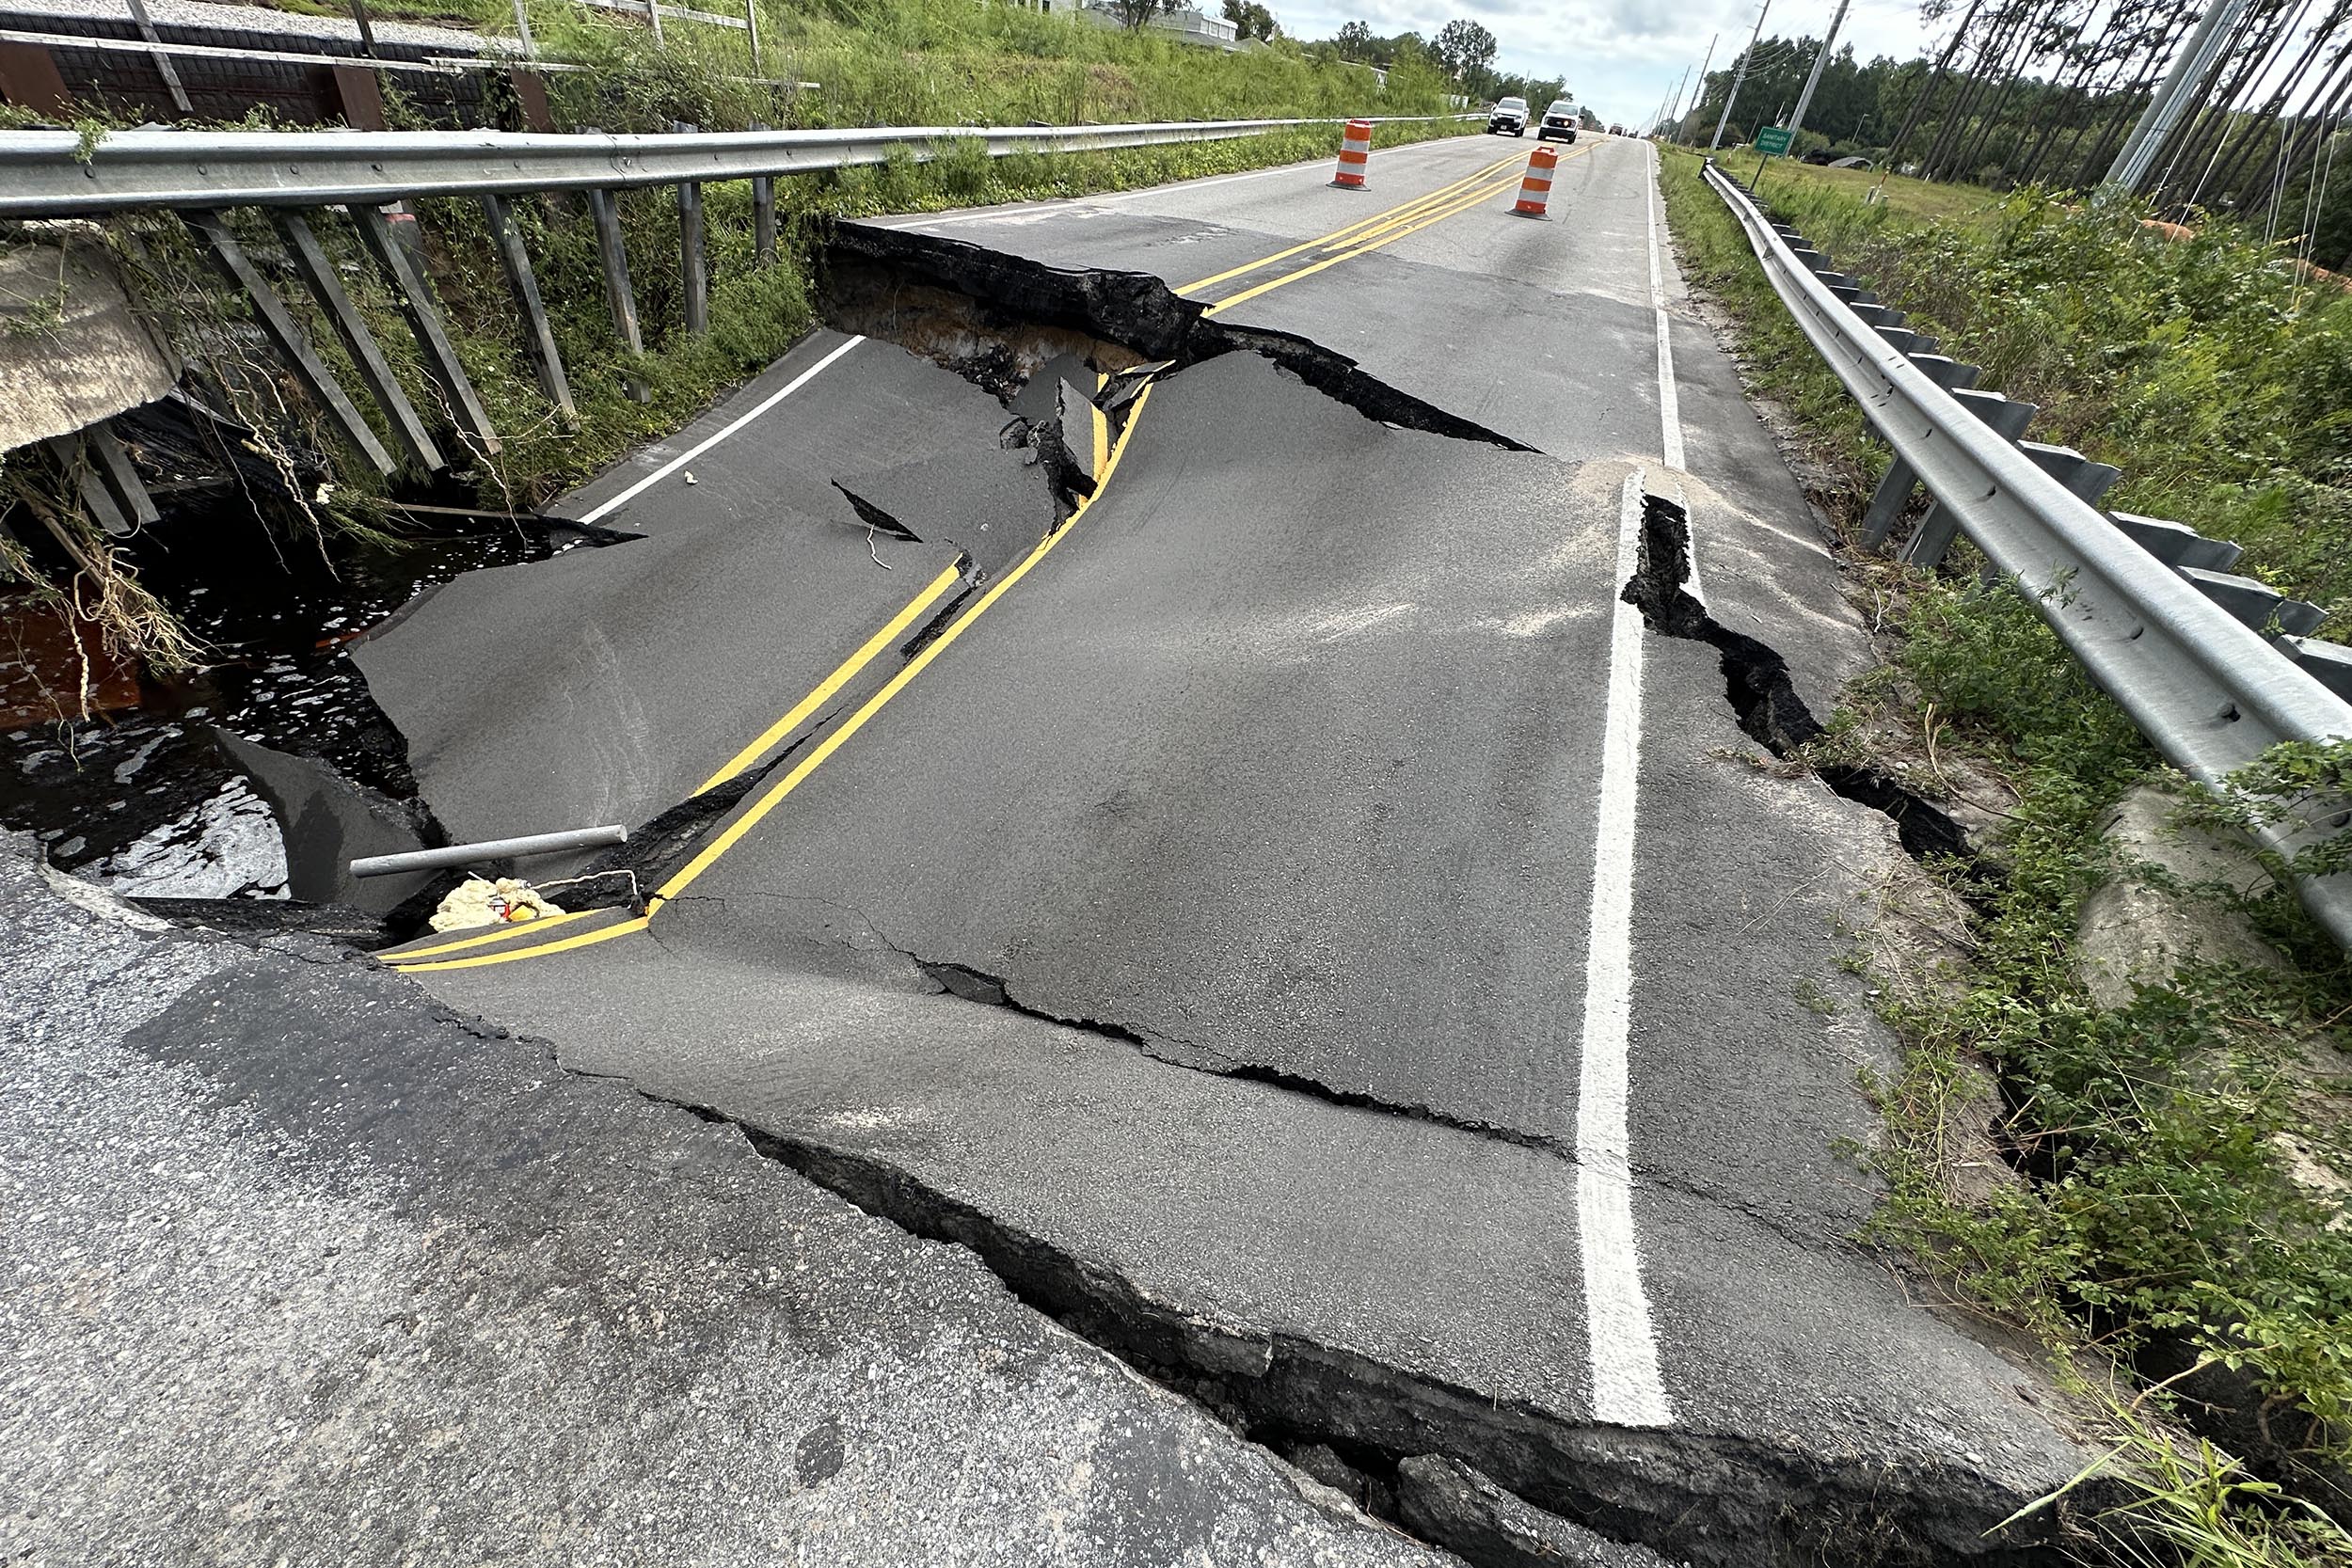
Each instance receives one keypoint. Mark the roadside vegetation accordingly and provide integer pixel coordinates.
(2173, 1165)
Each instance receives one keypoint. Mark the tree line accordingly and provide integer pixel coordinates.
(2047, 91)
(1463, 52)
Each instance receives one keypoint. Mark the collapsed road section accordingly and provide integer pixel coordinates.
(1279, 777)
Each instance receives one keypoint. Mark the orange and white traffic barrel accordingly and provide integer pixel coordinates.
(1354, 152)
(1536, 189)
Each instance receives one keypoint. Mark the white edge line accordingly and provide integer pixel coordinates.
(704, 445)
(1627, 1390)
(1669, 397)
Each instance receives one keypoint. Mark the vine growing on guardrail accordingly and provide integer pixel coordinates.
(2296, 782)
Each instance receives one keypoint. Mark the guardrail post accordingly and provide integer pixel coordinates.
(424, 320)
(515, 262)
(618, 296)
(120, 477)
(286, 334)
(763, 199)
(317, 272)
(1895, 486)
(2176, 543)
(72, 457)
(2006, 418)
(693, 263)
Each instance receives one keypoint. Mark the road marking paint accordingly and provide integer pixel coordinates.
(674, 464)
(1626, 1388)
(776, 793)
(1669, 398)
(1669, 403)
(1349, 233)
(482, 939)
(1108, 455)
(508, 955)
(1215, 179)
(834, 682)
(1460, 204)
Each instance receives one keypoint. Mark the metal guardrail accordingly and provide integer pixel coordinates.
(298, 176)
(2210, 693)
(51, 174)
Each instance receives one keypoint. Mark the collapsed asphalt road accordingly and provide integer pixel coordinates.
(1207, 828)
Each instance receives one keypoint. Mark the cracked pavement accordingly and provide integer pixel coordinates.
(1205, 917)
(301, 1267)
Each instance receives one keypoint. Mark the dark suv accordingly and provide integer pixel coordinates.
(1508, 116)
(1560, 120)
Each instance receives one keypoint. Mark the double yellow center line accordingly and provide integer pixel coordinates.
(769, 799)
(1370, 234)
(1329, 251)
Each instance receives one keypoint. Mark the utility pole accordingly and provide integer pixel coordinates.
(2180, 85)
(1820, 60)
(1740, 76)
(1675, 102)
(1699, 96)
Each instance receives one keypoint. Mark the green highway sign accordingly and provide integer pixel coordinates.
(1772, 140)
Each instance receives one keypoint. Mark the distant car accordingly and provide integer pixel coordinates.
(1617, 130)
(1853, 162)
(1560, 121)
(1509, 117)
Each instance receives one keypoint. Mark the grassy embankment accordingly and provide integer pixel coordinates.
(938, 62)
(2182, 1148)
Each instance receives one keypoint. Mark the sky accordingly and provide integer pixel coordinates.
(1620, 57)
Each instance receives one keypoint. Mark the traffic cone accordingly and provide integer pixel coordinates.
(1354, 152)
(1536, 190)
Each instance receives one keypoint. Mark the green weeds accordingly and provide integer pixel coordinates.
(2183, 1153)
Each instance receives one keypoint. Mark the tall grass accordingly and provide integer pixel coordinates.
(2163, 1211)
(2212, 375)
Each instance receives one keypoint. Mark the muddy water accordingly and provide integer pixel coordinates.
(139, 796)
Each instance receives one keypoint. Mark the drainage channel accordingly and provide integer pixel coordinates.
(117, 772)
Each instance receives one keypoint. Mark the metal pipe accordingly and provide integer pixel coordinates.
(489, 850)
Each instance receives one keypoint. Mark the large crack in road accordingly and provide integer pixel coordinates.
(1465, 1466)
